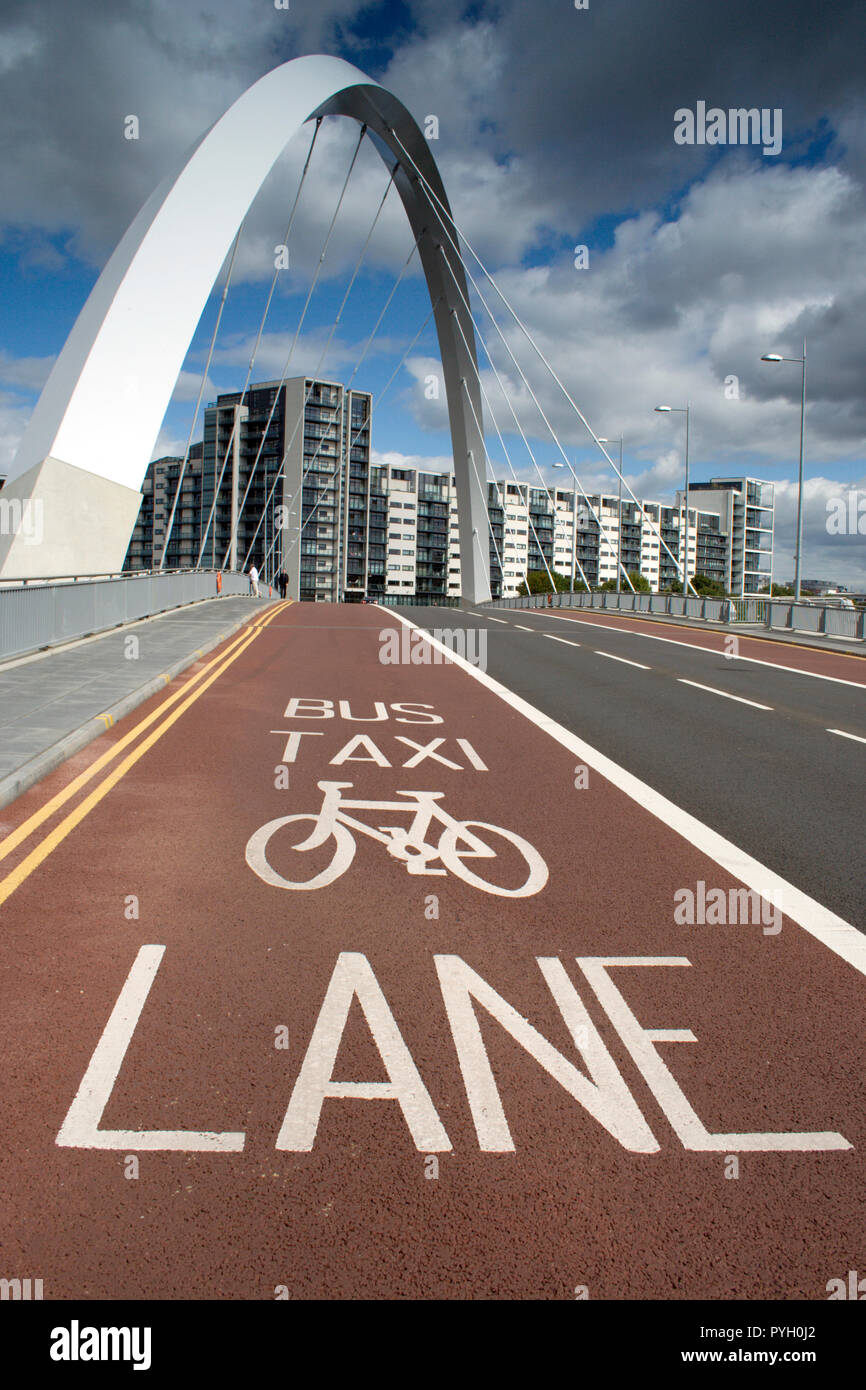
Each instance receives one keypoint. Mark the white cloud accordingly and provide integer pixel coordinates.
(26, 373)
(430, 463)
(13, 419)
(16, 46)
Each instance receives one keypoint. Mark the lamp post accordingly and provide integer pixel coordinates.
(776, 357)
(682, 410)
(619, 515)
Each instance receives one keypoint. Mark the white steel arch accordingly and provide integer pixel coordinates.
(86, 449)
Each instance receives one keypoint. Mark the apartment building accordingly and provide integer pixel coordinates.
(281, 477)
(158, 492)
(558, 529)
(746, 511)
(291, 470)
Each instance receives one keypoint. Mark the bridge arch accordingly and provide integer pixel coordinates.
(87, 446)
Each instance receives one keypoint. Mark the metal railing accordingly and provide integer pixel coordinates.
(416, 600)
(825, 619)
(43, 613)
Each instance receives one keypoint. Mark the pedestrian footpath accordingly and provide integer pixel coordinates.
(54, 703)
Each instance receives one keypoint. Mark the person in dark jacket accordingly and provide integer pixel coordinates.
(282, 582)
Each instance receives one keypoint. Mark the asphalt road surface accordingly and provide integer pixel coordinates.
(571, 1000)
(767, 746)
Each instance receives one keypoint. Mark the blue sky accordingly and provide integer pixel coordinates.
(555, 130)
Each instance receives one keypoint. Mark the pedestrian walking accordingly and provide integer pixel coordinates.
(282, 582)
(254, 580)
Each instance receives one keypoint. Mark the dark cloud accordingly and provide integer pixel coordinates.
(556, 127)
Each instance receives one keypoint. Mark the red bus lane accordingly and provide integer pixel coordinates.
(360, 984)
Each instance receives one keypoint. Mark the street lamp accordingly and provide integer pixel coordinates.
(682, 410)
(619, 515)
(776, 357)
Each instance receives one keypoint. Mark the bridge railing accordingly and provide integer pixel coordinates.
(45, 612)
(413, 600)
(824, 619)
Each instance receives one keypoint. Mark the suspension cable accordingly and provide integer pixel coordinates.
(261, 329)
(357, 366)
(294, 340)
(200, 394)
(602, 528)
(513, 471)
(324, 351)
(373, 408)
(683, 568)
(486, 508)
(502, 502)
(521, 431)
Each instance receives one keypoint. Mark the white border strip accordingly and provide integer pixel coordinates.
(832, 931)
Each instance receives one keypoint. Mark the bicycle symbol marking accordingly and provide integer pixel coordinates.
(457, 842)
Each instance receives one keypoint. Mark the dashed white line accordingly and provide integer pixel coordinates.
(567, 640)
(842, 734)
(715, 651)
(825, 926)
(521, 628)
(724, 693)
(624, 659)
(491, 619)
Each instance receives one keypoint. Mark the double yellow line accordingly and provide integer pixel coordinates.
(203, 679)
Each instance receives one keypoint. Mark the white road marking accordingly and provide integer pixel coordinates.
(641, 1043)
(80, 1129)
(525, 629)
(826, 926)
(353, 979)
(842, 734)
(489, 617)
(606, 1096)
(567, 640)
(724, 693)
(624, 659)
(715, 651)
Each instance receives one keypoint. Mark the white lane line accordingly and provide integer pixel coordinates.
(80, 1129)
(826, 926)
(567, 640)
(624, 659)
(716, 651)
(521, 628)
(491, 619)
(842, 734)
(726, 694)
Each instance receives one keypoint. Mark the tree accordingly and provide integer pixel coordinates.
(539, 583)
(706, 587)
(640, 584)
(700, 584)
(779, 591)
